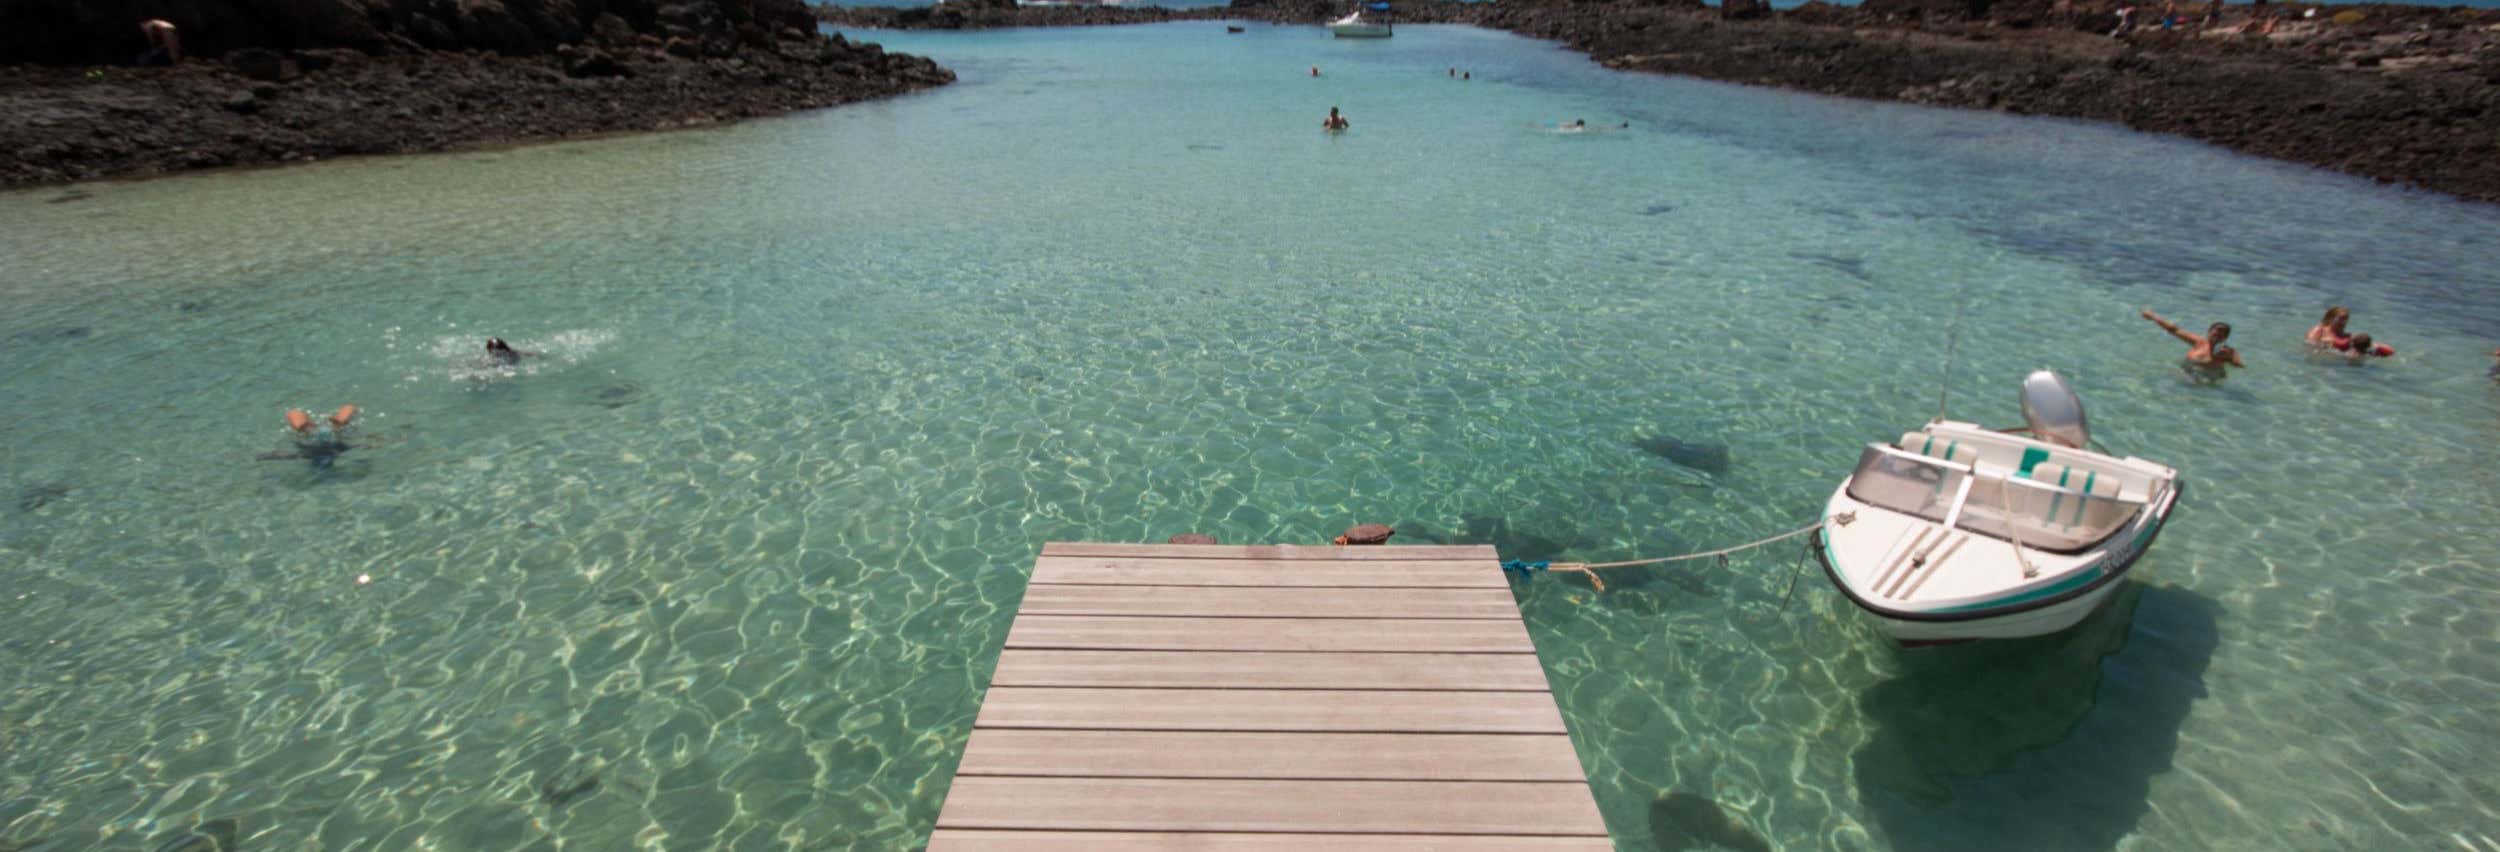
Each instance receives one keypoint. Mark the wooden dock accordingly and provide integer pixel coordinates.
(1268, 697)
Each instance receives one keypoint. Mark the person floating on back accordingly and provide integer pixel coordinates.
(1333, 122)
(2206, 355)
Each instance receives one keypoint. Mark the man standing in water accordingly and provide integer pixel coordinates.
(1333, 121)
(2206, 355)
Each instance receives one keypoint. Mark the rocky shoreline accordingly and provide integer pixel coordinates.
(2402, 94)
(422, 85)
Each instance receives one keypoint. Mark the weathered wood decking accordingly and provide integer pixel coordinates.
(1268, 697)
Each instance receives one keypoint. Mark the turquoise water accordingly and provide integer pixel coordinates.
(728, 564)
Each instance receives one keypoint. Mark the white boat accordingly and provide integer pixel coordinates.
(1958, 532)
(1353, 26)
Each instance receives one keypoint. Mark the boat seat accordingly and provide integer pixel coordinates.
(2062, 511)
(1943, 448)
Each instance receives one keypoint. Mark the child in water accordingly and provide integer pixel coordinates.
(2360, 347)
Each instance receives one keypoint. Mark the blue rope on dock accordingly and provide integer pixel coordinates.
(1521, 568)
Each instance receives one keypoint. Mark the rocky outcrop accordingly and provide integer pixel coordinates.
(287, 80)
(99, 32)
(997, 14)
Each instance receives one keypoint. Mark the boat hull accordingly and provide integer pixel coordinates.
(2034, 616)
(2019, 625)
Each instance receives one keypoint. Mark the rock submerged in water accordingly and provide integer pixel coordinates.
(1704, 456)
(1679, 821)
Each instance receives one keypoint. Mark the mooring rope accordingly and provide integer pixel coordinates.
(1591, 568)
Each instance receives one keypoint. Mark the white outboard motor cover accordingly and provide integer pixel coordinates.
(2053, 411)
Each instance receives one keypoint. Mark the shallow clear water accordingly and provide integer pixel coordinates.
(741, 545)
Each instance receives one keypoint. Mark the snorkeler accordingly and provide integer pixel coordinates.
(503, 353)
(2206, 354)
(1334, 121)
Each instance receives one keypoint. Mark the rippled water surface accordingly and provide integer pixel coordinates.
(728, 563)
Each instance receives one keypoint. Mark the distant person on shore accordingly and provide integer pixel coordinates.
(2126, 21)
(2329, 333)
(2206, 355)
(503, 353)
(164, 45)
(1333, 122)
(2213, 14)
(2169, 14)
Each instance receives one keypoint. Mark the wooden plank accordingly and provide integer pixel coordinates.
(1271, 710)
(1044, 599)
(1241, 754)
(1483, 552)
(992, 840)
(1206, 804)
(1131, 633)
(1378, 573)
(1269, 670)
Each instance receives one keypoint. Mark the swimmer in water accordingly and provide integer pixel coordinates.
(314, 444)
(302, 423)
(2329, 332)
(1334, 121)
(2360, 347)
(1314, 70)
(503, 353)
(2206, 355)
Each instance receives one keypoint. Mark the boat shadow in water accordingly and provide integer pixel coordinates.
(2047, 743)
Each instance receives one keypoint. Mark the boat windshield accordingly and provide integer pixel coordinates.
(2041, 516)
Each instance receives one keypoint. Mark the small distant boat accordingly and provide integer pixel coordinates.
(1232, 29)
(1353, 25)
(1958, 532)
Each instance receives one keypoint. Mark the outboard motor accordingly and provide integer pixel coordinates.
(2053, 410)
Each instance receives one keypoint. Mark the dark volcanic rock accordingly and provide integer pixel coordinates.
(388, 76)
(257, 63)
